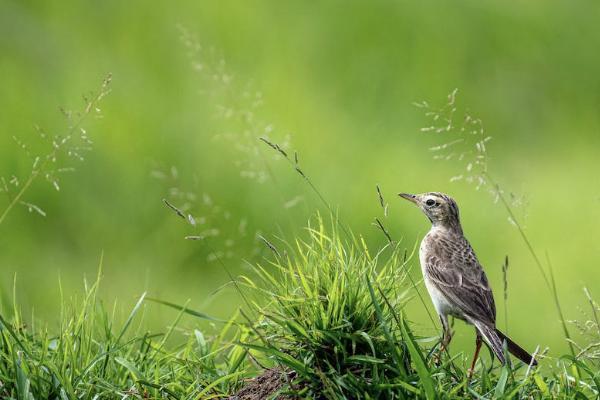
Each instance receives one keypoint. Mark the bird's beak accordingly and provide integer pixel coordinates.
(410, 197)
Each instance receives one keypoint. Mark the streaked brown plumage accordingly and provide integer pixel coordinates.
(455, 279)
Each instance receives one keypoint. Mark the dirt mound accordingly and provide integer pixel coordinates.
(266, 386)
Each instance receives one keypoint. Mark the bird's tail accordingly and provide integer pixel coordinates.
(495, 339)
(517, 350)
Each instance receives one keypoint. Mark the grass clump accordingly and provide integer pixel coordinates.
(334, 316)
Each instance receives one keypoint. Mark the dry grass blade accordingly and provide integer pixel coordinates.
(382, 202)
(379, 225)
(505, 287)
(269, 245)
(174, 209)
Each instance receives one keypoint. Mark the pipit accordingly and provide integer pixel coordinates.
(455, 279)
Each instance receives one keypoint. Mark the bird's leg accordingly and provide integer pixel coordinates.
(446, 338)
(478, 342)
(447, 334)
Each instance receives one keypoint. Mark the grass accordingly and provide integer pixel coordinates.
(324, 310)
(53, 155)
(320, 320)
(89, 354)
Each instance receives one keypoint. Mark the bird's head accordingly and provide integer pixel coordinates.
(440, 208)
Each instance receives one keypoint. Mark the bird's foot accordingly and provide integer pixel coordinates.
(437, 357)
(470, 373)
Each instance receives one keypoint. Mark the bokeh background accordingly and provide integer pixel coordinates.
(196, 83)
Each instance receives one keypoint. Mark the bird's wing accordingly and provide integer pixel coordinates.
(456, 273)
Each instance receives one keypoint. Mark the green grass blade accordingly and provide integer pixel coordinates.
(419, 361)
(280, 356)
(132, 314)
(137, 375)
(501, 385)
(186, 310)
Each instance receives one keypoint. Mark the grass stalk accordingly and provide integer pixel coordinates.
(549, 281)
(90, 106)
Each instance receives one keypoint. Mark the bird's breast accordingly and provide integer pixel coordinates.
(440, 302)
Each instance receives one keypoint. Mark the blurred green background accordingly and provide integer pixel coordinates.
(332, 80)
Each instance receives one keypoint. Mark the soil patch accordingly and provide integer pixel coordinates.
(266, 386)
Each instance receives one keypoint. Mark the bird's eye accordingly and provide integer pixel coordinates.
(430, 202)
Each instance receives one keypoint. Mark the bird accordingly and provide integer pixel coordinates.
(455, 279)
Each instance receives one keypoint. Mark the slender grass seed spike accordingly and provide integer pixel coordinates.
(455, 280)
